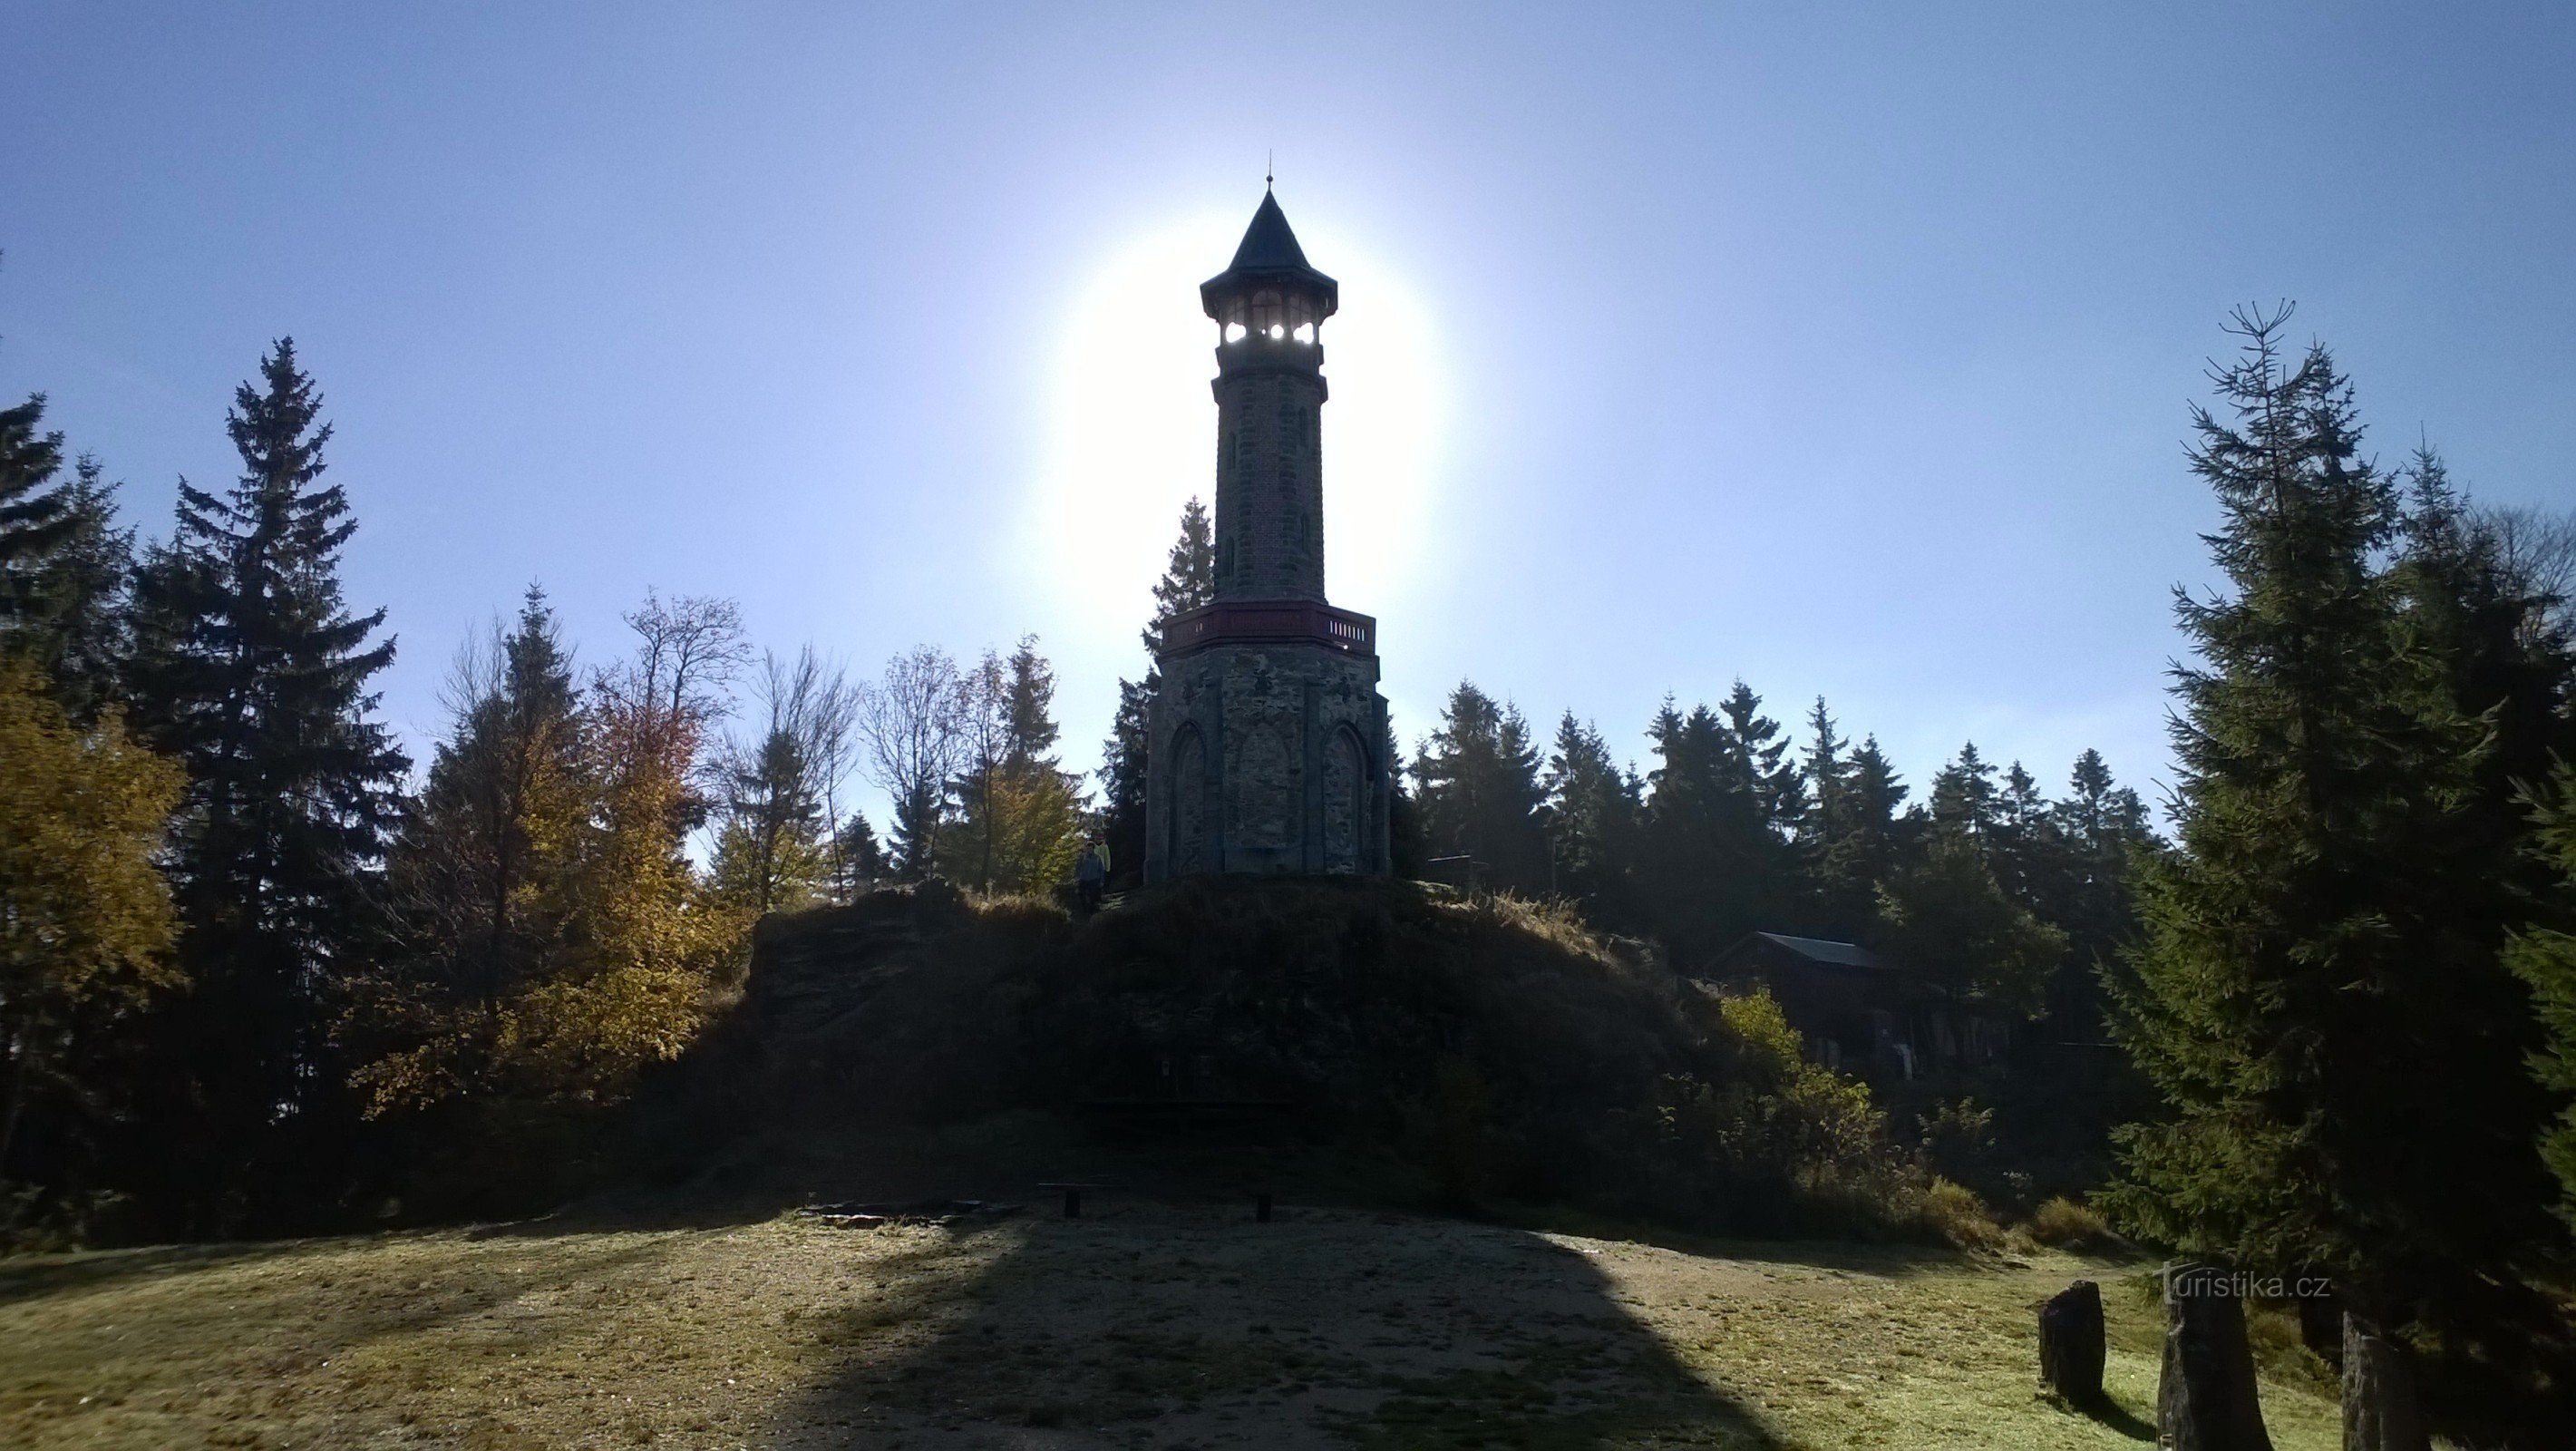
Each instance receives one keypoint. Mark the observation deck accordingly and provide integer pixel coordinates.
(1301, 622)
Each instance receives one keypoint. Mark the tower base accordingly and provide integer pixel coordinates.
(1266, 756)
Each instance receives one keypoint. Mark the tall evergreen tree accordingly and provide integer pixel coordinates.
(33, 511)
(2099, 833)
(1479, 792)
(2544, 955)
(1828, 773)
(1965, 795)
(1028, 709)
(1943, 914)
(1408, 849)
(1188, 582)
(1758, 753)
(254, 673)
(1189, 575)
(1592, 810)
(476, 868)
(1018, 824)
(1716, 856)
(2023, 844)
(857, 857)
(2306, 969)
(1848, 842)
(1122, 782)
(82, 634)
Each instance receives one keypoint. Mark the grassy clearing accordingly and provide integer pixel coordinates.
(1148, 1325)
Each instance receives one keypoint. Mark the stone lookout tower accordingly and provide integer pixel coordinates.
(1268, 746)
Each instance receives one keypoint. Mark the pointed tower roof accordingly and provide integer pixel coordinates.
(1270, 255)
(1268, 244)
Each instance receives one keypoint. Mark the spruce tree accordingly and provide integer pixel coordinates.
(858, 857)
(1189, 575)
(1188, 582)
(2099, 833)
(2323, 1022)
(2544, 955)
(34, 514)
(254, 673)
(1716, 855)
(1019, 825)
(1122, 782)
(1849, 842)
(476, 869)
(1479, 792)
(1965, 796)
(1943, 915)
(1591, 822)
(82, 634)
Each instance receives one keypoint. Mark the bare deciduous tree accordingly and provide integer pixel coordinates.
(910, 724)
(688, 649)
(781, 785)
(2538, 549)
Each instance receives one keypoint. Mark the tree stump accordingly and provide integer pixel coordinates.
(2071, 1343)
(2380, 1411)
(2205, 1398)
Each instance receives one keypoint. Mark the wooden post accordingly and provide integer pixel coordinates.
(1073, 1204)
(2071, 1343)
(2205, 1398)
(2380, 1412)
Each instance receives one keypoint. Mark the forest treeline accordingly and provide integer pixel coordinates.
(257, 968)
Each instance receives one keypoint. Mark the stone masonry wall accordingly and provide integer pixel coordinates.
(1283, 746)
(1270, 484)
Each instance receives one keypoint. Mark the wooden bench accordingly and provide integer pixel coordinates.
(1073, 1195)
(1073, 1199)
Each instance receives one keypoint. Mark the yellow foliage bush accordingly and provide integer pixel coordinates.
(2062, 1223)
(1957, 1215)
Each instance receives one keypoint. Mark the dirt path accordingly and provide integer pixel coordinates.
(1144, 1325)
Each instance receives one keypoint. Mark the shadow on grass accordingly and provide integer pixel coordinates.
(1890, 1259)
(2105, 1412)
(1151, 1325)
(27, 1276)
(2113, 1416)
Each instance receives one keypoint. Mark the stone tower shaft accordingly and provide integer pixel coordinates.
(1269, 307)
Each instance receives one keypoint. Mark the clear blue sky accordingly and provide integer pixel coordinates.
(1846, 349)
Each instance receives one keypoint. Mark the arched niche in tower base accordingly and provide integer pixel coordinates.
(1186, 841)
(1345, 803)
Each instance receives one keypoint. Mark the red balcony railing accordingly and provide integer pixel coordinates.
(1281, 620)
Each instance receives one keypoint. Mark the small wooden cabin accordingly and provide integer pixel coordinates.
(1858, 1011)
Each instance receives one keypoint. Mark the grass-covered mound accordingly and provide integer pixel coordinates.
(1489, 1048)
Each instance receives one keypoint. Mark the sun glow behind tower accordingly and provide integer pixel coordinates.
(1131, 434)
